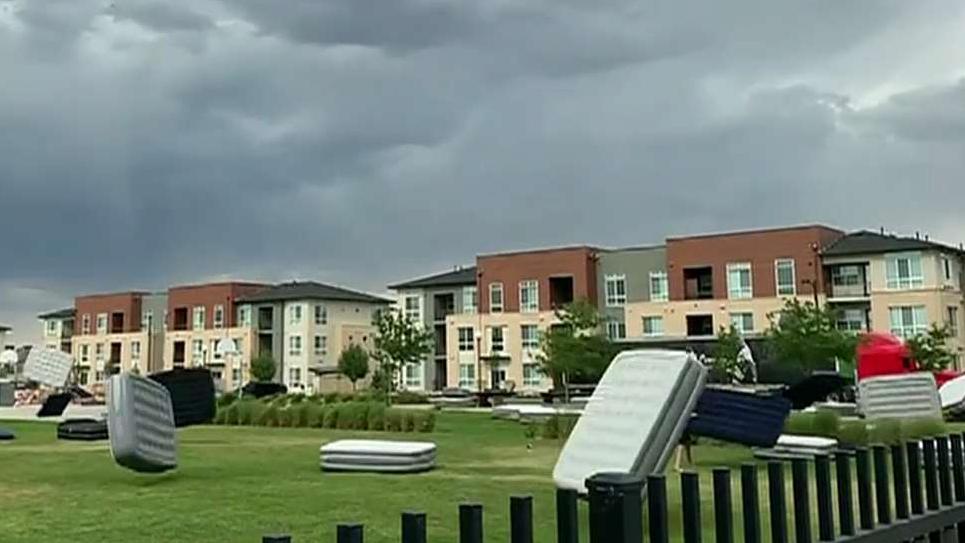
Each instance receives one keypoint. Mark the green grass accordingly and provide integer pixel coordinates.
(235, 484)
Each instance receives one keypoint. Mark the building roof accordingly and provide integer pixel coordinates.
(559, 249)
(865, 242)
(310, 290)
(59, 314)
(455, 278)
(756, 231)
(5, 328)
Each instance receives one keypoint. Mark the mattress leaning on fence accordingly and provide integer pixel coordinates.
(739, 417)
(791, 446)
(909, 395)
(140, 423)
(192, 395)
(634, 419)
(48, 367)
(378, 456)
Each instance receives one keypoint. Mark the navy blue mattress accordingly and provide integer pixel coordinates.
(55, 405)
(192, 395)
(739, 417)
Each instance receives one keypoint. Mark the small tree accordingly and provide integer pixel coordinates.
(806, 336)
(263, 368)
(398, 341)
(576, 348)
(931, 349)
(728, 363)
(353, 363)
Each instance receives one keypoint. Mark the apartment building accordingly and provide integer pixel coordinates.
(4, 331)
(498, 347)
(197, 318)
(739, 278)
(58, 329)
(902, 285)
(430, 300)
(305, 326)
(115, 332)
(629, 276)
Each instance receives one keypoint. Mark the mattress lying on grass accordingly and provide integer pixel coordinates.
(634, 418)
(82, 430)
(140, 424)
(192, 395)
(739, 417)
(378, 456)
(909, 395)
(6, 435)
(791, 446)
(48, 367)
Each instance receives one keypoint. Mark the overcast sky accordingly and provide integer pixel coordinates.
(147, 143)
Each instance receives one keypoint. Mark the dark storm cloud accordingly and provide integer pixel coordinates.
(146, 143)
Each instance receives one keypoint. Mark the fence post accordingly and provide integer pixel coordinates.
(778, 503)
(723, 507)
(931, 483)
(657, 509)
(276, 539)
(913, 456)
(470, 523)
(845, 494)
(616, 508)
(882, 500)
(349, 533)
(865, 505)
(413, 528)
(521, 519)
(802, 500)
(567, 516)
(900, 475)
(822, 480)
(958, 476)
(690, 493)
(944, 470)
(751, 504)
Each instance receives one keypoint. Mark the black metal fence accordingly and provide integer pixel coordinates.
(909, 492)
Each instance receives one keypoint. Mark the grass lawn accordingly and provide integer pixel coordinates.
(235, 484)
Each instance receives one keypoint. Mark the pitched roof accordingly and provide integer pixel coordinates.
(310, 290)
(865, 242)
(455, 278)
(59, 314)
(5, 328)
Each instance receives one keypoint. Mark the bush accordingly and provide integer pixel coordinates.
(914, 429)
(558, 427)
(425, 422)
(268, 417)
(226, 399)
(853, 433)
(306, 414)
(376, 421)
(219, 417)
(393, 420)
(249, 411)
(331, 417)
(826, 423)
(408, 397)
(285, 417)
(884, 432)
(332, 397)
(231, 415)
(408, 421)
(296, 399)
(318, 420)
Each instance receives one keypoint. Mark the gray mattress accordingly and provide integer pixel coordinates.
(899, 396)
(140, 423)
(48, 367)
(379, 468)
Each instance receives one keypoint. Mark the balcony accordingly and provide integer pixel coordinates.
(848, 282)
(117, 322)
(266, 319)
(699, 283)
(180, 321)
(700, 325)
(443, 305)
(561, 292)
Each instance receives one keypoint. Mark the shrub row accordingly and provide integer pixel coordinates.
(370, 416)
(559, 426)
(857, 432)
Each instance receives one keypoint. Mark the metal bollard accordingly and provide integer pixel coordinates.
(616, 508)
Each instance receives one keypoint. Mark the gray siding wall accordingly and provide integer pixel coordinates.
(428, 315)
(636, 264)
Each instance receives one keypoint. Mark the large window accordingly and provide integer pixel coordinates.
(294, 376)
(198, 317)
(658, 287)
(530, 336)
(295, 314)
(528, 296)
(497, 339)
(946, 268)
(848, 275)
(244, 316)
(904, 271)
(51, 328)
(739, 281)
(102, 323)
(219, 316)
(532, 375)
(467, 376)
(85, 324)
(743, 322)
(616, 330)
(616, 290)
(413, 308)
(321, 315)
(413, 375)
(784, 277)
(295, 345)
(469, 303)
(495, 297)
(213, 349)
(852, 320)
(147, 321)
(99, 352)
(908, 321)
(84, 354)
(466, 340)
(197, 351)
(652, 326)
(135, 350)
(321, 345)
(953, 318)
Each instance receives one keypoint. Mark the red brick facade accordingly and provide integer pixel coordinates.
(208, 296)
(578, 263)
(127, 304)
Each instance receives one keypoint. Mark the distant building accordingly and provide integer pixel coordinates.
(58, 329)
(4, 332)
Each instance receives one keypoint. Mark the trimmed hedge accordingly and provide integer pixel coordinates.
(860, 432)
(281, 412)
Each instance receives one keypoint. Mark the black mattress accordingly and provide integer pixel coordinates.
(739, 417)
(192, 395)
(261, 390)
(6, 435)
(55, 405)
(815, 388)
(82, 430)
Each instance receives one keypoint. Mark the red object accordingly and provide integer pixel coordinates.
(885, 354)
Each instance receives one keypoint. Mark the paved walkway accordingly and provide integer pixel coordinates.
(73, 412)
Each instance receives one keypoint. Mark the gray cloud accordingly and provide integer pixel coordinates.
(147, 143)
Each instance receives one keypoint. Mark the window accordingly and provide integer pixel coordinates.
(739, 281)
(84, 376)
(321, 345)
(135, 350)
(239, 349)
(51, 328)
(413, 375)
(235, 375)
(197, 350)
(466, 340)
(495, 297)
(244, 316)
(530, 336)
(652, 326)
(947, 268)
(295, 376)
(616, 330)
(658, 287)
(85, 354)
(467, 376)
(295, 345)
(219, 316)
(532, 375)
(85, 324)
(700, 325)
(908, 321)
(321, 315)
(615, 287)
(742, 322)
(295, 314)
(953, 319)
(413, 308)
(147, 321)
(784, 274)
(469, 304)
(528, 296)
(102, 323)
(99, 352)
(198, 315)
(497, 339)
(852, 320)
(904, 271)
(846, 276)
(213, 349)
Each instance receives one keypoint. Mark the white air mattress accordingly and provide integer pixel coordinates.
(791, 446)
(379, 468)
(952, 393)
(377, 447)
(48, 367)
(634, 419)
(909, 395)
(140, 422)
(378, 456)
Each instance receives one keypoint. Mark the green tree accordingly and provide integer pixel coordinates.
(931, 349)
(727, 366)
(353, 363)
(576, 349)
(263, 368)
(398, 341)
(805, 336)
